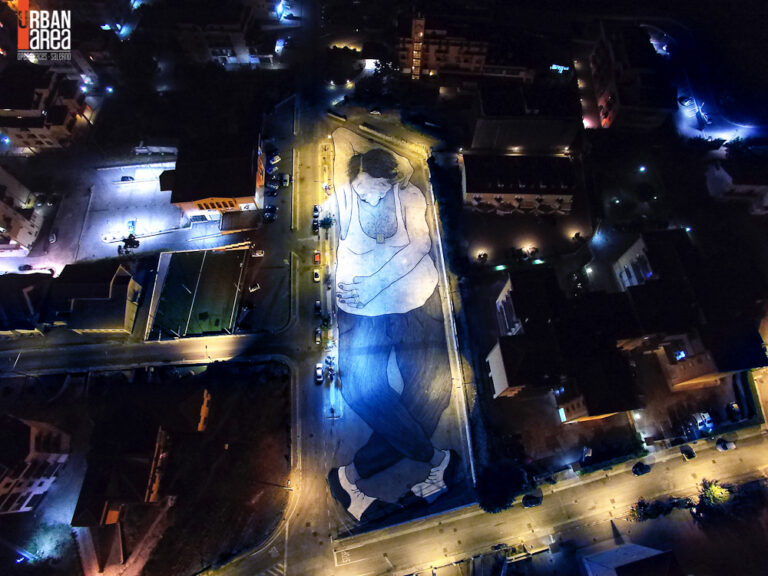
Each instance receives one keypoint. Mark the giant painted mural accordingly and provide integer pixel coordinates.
(392, 355)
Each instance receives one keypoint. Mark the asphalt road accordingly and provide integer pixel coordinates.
(587, 502)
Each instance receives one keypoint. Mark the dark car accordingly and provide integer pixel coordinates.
(272, 168)
(640, 468)
(724, 445)
(25, 268)
(318, 308)
(315, 225)
(126, 179)
(316, 211)
(531, 500)
(687, 452)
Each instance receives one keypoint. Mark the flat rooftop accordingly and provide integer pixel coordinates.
(497, 174)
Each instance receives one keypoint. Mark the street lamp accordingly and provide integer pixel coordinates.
(641, 169)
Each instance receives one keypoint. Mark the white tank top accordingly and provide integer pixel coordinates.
(360, 255)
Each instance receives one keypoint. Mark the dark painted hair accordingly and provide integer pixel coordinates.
(377, 163)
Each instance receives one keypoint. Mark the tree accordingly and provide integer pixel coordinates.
(326, 222)
(498, 485)
(712, 495)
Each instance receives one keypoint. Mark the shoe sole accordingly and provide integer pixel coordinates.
(341, 495)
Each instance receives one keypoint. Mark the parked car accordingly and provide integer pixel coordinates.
(734, 411)
(532, 500)
(318, 308)
(40, 200)
(285, 179)
(257, 253)
(315, 225)
(319, 373)
(724, 445)
(316, 211)
(253, 287)
(52, 237)
(127, 179)
(275, 159)
(640, 468)
(25, 268)
(318, 336)
(271, 192)
(375, 112)
(271, 169)
(316, 275)
(316, 258)
(687, 452)
(703, 421)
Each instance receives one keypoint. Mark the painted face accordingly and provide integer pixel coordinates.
(370, 189)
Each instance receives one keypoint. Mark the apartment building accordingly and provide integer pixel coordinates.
(31, 454)
(39, 108)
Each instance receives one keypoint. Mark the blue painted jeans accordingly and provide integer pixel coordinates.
(402, 423)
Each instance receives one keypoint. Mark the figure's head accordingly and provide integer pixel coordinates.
(372, 174)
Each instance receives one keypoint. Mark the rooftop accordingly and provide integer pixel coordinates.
(531, 131)
(18, 83)
(497, 174)
(549, 97)
(193, 180)
(14, 443)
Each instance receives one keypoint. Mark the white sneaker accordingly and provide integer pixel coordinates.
(359, 502)
(435, 484)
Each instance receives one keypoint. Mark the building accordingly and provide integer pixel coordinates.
(514, 183)
(31, 454)
(427, 47)
(205, 187)
(681, 314)
(230, 33)
(632, 85)
(553, 346)
(742, 178)
(39, 109)
(632, 559)
(540, 115)
(21, 304)
(99, 297)
(19, 223)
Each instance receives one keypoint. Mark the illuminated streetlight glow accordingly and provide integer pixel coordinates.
(641, 169)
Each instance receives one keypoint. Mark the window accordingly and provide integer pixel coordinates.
(218, 205)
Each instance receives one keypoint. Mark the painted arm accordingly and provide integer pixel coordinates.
(363, 289)
(345, 144)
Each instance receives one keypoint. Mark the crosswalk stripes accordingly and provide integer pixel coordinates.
(276, 570)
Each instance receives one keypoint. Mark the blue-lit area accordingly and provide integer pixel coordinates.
(680, 355)
(280, 9)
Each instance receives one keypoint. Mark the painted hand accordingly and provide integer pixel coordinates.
(359, 292)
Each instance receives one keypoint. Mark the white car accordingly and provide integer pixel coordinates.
(274, 160)
(319, 373)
